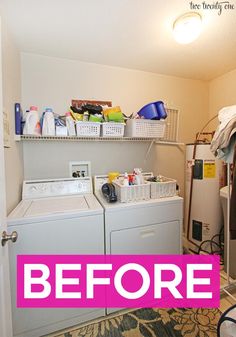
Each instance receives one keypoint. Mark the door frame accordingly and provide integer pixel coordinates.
(5, 297)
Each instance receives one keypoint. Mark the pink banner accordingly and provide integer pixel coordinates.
(118, 281)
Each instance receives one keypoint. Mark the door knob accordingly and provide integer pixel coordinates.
(6, 237)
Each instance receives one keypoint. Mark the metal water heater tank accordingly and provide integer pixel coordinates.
(206, 217)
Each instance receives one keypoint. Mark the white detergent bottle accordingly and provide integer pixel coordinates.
(138, 180)
(70, 124)
(48, 128)
(126, 179)
(32, 123)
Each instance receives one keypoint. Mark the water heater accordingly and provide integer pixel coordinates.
(206, 217)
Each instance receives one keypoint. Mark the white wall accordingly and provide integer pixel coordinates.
(11, 95)
(222, 93)
(191, 98)
(54, 82)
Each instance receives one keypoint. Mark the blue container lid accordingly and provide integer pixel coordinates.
(48, 109)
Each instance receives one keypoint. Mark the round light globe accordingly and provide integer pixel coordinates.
(187, 28)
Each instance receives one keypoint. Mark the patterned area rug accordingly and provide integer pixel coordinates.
(153, 323)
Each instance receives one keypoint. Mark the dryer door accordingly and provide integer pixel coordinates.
(161, 238)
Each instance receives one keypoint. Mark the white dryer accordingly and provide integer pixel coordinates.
(59, 216)
(143, 227)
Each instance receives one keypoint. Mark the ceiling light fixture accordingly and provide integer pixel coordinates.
(187, 27)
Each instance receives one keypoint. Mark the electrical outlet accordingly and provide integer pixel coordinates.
(80, 169)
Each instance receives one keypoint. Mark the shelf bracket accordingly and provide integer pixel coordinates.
(149, 149)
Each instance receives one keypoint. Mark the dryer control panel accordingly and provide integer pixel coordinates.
(33, 189)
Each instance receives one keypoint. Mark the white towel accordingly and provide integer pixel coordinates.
(225, 115)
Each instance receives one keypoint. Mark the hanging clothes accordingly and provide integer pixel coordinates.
(227, 153)
(223, 146)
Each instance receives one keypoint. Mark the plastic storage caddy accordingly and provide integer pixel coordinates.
(110, 129)
(145, 128)
(133, 192)
(88, 129)
(163, 189)
(155, 110)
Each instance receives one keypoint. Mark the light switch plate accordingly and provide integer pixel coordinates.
(79, 169)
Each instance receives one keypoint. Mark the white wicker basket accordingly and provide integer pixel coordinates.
(172, 126)
(88, 129)
(111, 129)
(145, 128)
(132, 192)
(164, 189)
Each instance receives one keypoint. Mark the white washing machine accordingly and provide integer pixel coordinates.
(59, 216)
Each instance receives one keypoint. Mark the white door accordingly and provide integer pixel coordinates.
(5, 301)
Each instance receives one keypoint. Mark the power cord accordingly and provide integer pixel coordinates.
(215, 247)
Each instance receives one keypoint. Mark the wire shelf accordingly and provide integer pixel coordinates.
(170, 136)
(78, 139)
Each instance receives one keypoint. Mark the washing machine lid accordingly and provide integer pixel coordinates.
(54, 208)
(56, 205)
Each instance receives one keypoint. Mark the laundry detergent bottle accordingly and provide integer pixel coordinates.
(18, 119)
(70, 124)
(48, 123)
(32, 123)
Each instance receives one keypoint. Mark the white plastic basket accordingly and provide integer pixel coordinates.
(145, 128)
(164, 189)
(132, 192)
(88, 129)
(110, 129)
(172, 126)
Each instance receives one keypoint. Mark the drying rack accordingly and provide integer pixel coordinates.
(230, 283)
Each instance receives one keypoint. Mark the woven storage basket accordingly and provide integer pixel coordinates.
(164, 189)
(111, 129)
(145, 128)
(88, 129)
(132, 192)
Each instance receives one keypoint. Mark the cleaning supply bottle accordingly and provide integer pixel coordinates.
(70, 125)
(18, 119)
(24, 114)
(141, 176)
(138, 177)
(126, 179)
(32, 123)
(48, 127)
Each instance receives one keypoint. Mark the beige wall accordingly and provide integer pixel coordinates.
(54, 82)
(191, 98)
(222, 93)
(11, 94)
